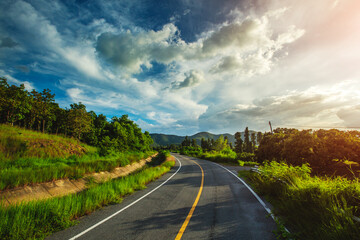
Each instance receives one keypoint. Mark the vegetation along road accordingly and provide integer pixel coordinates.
(197, 199)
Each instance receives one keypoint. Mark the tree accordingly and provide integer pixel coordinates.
(14, 102)
(220, 144)
(247, 143)
(238, 143)
(253, 141)
(79, 120)
(60, 124)
(259, 137)
(186, 142)
(193, 142)
(203, 144)
(46, 107)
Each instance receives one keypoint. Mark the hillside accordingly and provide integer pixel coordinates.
(20, 143)
(28, 157)
(165, 140)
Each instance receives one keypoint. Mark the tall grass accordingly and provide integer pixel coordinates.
(39, 219)
(24, 171)
(312, 207)
(30, 157)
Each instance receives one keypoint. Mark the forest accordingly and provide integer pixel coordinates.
(39, 111)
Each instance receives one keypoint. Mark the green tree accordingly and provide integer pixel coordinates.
(46, 107)
(253, 141)
(186, 142)
(60, 124)
(16, 104)
(238, 143)
(259, 136)
(193, 142)
(247, 143)
(220, 144)
(79, 120)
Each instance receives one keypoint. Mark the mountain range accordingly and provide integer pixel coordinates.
(165, 140)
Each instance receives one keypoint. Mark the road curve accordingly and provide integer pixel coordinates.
(226, 209)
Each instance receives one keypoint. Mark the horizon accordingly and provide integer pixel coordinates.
(180, 68)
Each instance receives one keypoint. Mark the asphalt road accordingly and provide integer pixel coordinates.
(226, 209)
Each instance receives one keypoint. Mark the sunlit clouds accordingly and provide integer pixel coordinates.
(290, 62)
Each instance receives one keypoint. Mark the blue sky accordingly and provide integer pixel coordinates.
(181, 67)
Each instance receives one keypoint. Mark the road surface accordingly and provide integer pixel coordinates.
(225, 209)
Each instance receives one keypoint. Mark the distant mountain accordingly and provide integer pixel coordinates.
(165, 140)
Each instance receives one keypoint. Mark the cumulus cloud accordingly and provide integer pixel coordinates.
(350, 116)
(315, 107)
(245, 35)
(192, 78)
(247, 39)
(162, 118)
(215, 82)
(131, 50)
(227, 63)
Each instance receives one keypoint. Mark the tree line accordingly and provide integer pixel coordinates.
(39, 111)
(326, 151)
(248, 144)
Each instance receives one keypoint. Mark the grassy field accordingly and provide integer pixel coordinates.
(30, 157)
(312, 207)
(38, 219)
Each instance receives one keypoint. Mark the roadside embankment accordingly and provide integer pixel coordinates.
(65, 186)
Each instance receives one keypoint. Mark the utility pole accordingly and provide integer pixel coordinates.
(270, 128)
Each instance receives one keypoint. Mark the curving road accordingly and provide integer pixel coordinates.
(226, 209)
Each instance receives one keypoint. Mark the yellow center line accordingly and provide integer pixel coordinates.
(187, 220)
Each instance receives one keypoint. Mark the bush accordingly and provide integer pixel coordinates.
(246, 157)
(312, 207)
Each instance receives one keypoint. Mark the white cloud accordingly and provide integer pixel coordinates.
(162, 118)
(192, 79)
(350, 116)
(130, 51)
(250, 36)
(228, 63)
(281, 62)
(41, 34)
(311, 108)
(11, 80)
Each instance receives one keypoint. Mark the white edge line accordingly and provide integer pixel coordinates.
(254, 193)
(113, 215)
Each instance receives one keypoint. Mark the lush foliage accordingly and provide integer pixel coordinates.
(36, 220)
(327, 151)
(38, 111)
(221, 150)
(312, 207)
(31, 157)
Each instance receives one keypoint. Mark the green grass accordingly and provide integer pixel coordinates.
(38, 219)
(28, 157)
(226, 156)
(17, 143)
(312, 207)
